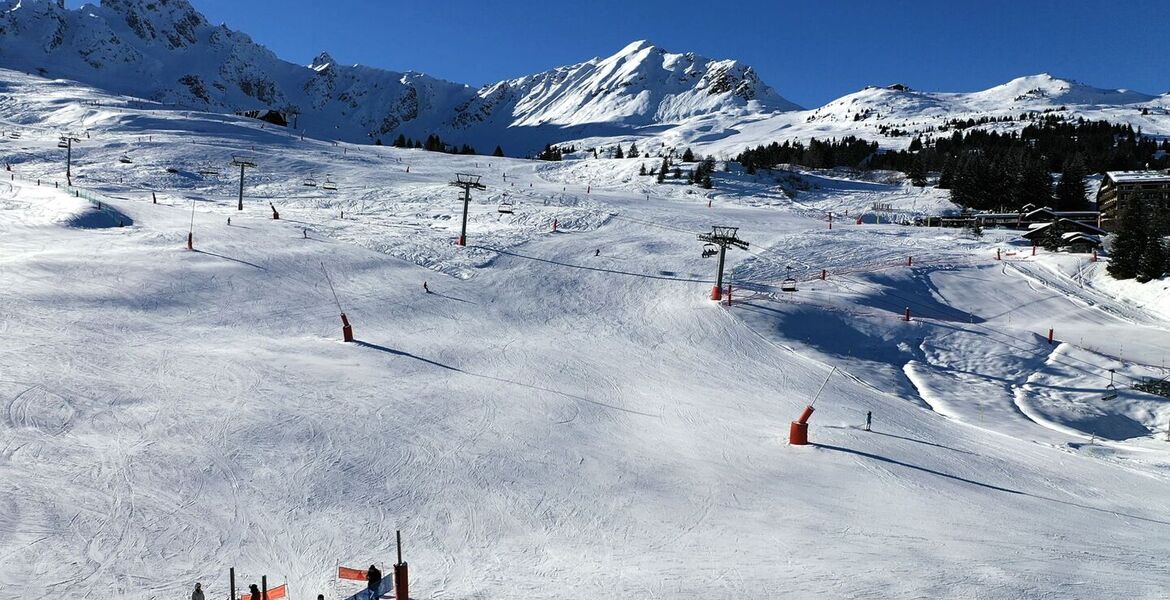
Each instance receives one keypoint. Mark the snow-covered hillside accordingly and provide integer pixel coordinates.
(165, 50)
(567, 414)
(875, 113)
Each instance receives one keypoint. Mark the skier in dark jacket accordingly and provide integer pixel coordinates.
(198, 593)
(255, 589)
(374, 576)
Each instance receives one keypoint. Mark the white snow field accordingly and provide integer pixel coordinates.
(549, 423)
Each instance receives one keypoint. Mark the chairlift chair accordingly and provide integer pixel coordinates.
(506, 207)
(15, 135)
(710, 250)
(329, 184)
(310, 182)
(789, 283)
(60, 144)
(125, 159)
(208, 169)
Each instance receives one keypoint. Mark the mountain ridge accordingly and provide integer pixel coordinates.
(165, 50)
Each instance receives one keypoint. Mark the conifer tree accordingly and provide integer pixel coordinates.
(618, 153)
(642, 169)
(633, 153)
(1070, 191)
(688, 156)
(1152, 264)
(498, 151)
(917, 172)
(1129, 242)
(662, 170)
(1033, 184)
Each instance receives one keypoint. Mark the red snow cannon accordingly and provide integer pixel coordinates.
(798, 434)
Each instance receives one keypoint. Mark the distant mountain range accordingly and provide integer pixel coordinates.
(165, 50)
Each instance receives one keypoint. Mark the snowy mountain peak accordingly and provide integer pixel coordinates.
(636, 47)
(322, 61)
(1045, 88)
(175, 21)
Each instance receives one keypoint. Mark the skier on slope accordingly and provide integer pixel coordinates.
(374, 577)
(198, 593)
(425, 288)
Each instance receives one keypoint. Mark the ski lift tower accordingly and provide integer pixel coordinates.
(243, 163)
(67, 143)
(722, 237)
(466, 183)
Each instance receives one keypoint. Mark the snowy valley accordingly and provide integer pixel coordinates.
(563, 411)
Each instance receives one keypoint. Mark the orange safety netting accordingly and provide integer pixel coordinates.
(276, 593)
(348, 573)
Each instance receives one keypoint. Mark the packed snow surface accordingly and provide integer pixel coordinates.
(566, 414)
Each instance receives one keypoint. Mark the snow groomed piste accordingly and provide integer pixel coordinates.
(562, 410)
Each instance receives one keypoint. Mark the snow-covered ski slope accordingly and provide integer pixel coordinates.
(549, 422)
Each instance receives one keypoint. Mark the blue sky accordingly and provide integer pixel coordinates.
(810, 51)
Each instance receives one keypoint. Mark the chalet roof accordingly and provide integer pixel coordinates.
(1138, 176)
(1040, 211)
(1036, 229)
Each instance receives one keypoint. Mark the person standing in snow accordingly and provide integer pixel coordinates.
(868, 419)
(255, 590)
(198, 593)
(598, 253)
(374, 577)
(425, 288)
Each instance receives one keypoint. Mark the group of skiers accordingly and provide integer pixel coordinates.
(373, 580)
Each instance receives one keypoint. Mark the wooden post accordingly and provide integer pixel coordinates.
(1050, 335)
(907, 317)
(824, 274)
